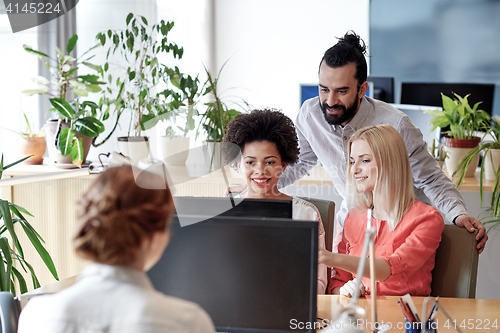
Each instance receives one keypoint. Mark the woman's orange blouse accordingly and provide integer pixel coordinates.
(410, 249)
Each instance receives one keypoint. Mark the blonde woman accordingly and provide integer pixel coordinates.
(124, 229)
(408, 231)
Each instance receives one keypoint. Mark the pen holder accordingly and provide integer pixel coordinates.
(417, 327)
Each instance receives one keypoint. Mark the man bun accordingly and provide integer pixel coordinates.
(349, 49)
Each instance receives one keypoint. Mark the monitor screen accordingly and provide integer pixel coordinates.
(204, 207)
(379, 87)
(383, 88)
(430, 93)
(308, 91)
(421, 120)
(249, 274)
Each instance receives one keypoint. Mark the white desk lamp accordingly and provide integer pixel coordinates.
(351, 312)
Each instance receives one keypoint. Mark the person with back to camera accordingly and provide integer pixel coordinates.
(124, 231)
(325, 124)
(408, 231)
(268, 144)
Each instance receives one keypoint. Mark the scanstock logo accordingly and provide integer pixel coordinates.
(25, 14)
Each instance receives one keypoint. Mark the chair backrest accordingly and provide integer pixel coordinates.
(326, 209)
(455, 272)
(9, 312)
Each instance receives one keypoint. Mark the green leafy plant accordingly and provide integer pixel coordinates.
(460, 117)
(491, 140)
(139, 47)
(218, 112)
(65, 139)
(12, 214)
(437, 151)
(85, 117)
(29, 132)
(63, 70)
(178, 104)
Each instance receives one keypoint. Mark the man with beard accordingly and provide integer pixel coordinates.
(325, 125)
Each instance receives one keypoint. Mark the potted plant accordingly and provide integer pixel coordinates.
(72, 115)
(9, 274)
(138, 47)
(75, 130)
(463, 122)
(437, 151)
(32, 144)
(214, 120)
(489, 167)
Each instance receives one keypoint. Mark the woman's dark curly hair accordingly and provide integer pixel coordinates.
(262, 125)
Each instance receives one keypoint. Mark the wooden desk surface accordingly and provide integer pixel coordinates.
(470, 315)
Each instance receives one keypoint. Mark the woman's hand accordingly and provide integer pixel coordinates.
(348, 288)
(326, 257)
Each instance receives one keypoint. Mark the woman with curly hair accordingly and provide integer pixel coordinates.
(408, 231)
(123, 229)
(268, 143)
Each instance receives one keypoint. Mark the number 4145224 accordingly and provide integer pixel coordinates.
(33, 8)
(472, 324)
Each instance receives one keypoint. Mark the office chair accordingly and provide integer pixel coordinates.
(455, 272)
(326, 209)
(10, 310)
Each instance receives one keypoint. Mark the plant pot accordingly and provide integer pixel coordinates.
(456, 149)
(35, 146)
(491, 163)
(212, 155)
(54, 153)
(134, 147)
(174, 151)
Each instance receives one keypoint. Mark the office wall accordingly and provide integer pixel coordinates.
(274, 46)
(436, 41)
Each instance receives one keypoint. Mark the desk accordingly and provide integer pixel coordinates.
(472, 314)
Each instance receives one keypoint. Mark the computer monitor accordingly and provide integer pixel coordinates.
(383, 88)
(430, 93)
(421, 120)
(249, 274)
(214, 206)
(379, 87)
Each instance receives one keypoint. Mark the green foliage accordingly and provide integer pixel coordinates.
(181, 105)
(63, 70)
(64, 79)
(437, 151)
(460, 117)
(218, 112)
(138, 47)
(65, 140)
(491, 140)
(8, 273)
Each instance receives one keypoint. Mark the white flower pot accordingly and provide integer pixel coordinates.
(212, 155)
(491, 163)
(174, 151)
(134, 147)
(455, 155)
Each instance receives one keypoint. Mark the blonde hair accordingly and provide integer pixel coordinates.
(394, 182)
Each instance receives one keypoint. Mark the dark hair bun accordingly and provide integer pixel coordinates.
(354, 40)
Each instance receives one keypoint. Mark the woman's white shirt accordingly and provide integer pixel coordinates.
(112, 299)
